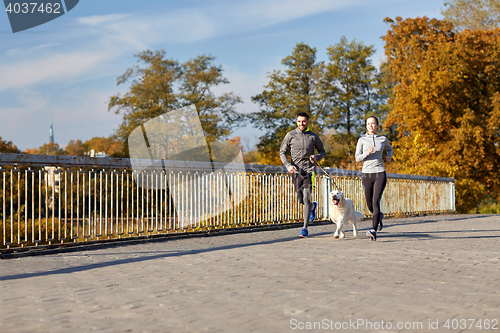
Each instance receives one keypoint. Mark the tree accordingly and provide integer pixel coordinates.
(337, 95)
(350, 77)
(46, 149)
(296, 89)
(355, 90)
(75, 148)
(472, 14)
(446, 104)
(110, 146)
(8, 147)
(164, 85)
(384, 86)
(252, 157)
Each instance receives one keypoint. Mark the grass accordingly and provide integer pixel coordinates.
(487, 207)
(490, 209)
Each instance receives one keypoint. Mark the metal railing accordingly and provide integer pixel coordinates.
(62, 199)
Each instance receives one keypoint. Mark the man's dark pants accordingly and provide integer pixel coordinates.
(303, 186)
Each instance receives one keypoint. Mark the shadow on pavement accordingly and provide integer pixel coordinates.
(438, 234)
(166, 254)
(384, 237)
(397, 222)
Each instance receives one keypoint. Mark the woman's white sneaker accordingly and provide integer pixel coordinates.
(372, 234)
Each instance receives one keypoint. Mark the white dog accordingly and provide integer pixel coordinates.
(341, 211)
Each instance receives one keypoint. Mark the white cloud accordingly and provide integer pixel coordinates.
(139, 31)
(113, 35)
(195, 24)
(21, 52)
(51, 68)
(99, 19)
(266, 13)
(93, 47)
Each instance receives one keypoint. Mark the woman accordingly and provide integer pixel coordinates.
(369, 150)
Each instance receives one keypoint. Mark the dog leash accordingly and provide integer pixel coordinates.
(329, 176)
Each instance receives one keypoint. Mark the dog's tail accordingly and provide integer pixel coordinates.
(359, 216)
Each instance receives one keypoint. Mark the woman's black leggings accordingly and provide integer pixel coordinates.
(373, 186)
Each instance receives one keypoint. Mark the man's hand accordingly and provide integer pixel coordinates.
(312, 158)
(370, 150)
(388, 158)
(292, 169)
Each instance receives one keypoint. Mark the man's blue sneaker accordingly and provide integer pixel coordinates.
(312, 217)
(303, 233)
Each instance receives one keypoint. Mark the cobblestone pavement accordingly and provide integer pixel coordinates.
(421, 272)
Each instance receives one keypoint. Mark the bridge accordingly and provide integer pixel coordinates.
(431, 273)
(64, 201)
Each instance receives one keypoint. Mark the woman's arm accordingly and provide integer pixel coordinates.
(389, 150)
(359, 152)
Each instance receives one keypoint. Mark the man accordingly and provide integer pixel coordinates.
(301, 143)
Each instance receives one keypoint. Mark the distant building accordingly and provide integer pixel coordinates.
(93, 153)
(51, 132)
(52, 178)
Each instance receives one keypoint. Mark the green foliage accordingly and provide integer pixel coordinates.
(350, 79)
(296, 89)
(252, 157)
(337, 95)
(472, 14)
(340, 149)
(493, 208)
(489, 205)
(164, 85)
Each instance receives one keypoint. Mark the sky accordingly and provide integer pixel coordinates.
(67, 69)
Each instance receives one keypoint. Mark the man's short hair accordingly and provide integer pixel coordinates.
(302, 114)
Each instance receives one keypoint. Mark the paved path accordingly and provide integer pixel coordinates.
(420, 270)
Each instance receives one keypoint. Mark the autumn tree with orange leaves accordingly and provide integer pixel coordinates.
(446, 104)
(8, 147)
